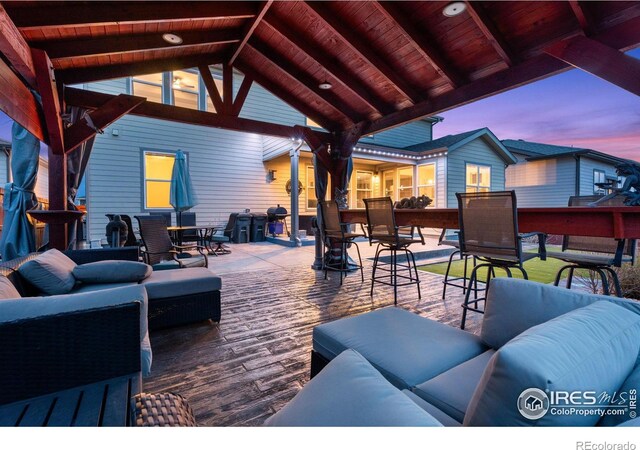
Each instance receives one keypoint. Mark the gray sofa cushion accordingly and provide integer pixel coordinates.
(514, 306)
(406, 348)
(589, 349)
(350, 392)
(12, 310)
(92, 287)
(437, 413)
(112, 271)
(51, 272)
(623, 398)
(452, 390)
(7, 289)
(180, 282)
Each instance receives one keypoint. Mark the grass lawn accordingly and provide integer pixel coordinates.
(538, 270)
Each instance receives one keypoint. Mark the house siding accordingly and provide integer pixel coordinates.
(546, 182)
(4, 168)
(474, 152)
(587, 166)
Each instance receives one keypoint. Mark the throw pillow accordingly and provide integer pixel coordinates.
(112, 271)
(7, 289)
(51, 272)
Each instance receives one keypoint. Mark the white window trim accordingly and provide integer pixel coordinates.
(354, 195)
(395, 183)
(477, 185)
(145, 179)
(413, 182)
(596, 189)
(308, 188)
(435, 182)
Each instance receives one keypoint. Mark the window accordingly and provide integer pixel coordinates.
(364, 187)
(405, 183)
(149, 86)
(157, 179)
(427, 181)
(478, 178)
(388, 183)
(312, 200)
(599, 176)
(184, 86)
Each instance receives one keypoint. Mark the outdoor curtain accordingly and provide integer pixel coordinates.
(18, 233)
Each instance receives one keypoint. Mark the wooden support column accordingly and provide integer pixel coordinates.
(340, 154)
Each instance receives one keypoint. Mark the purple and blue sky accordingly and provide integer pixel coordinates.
(573, 109)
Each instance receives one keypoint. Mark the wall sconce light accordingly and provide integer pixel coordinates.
(271, 176)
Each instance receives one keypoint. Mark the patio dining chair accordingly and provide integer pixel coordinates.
(382, 230)
(448, 240)
(337, 237)
(596, 254)
(488, 224)
(160, 252)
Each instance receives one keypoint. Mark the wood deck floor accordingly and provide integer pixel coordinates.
(244, 369)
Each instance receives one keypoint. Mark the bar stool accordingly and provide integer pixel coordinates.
(382, 230)
(442, 240)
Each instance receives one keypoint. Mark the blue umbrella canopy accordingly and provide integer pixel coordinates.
(18, 233)
(181, 195)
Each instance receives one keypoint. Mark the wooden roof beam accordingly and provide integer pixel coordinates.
(581, 15)
(491, 32)
(48, 91)
(600, 60)
(421, 42)
(90, 74)
(69, 48)
(95, 100)
(286, 97)
(299, 76)
(363, 50)
(106, 13)
(212, 88)
(249, 29)
(17, 102)
(16, 50)
(338, 71)
(101, 117)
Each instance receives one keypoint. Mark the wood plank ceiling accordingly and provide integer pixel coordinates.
(387, 62)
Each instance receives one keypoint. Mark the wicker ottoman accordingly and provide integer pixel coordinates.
(164, 409)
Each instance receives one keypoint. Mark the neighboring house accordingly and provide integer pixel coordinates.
(42, 184)
(547, 175)
(130, 165)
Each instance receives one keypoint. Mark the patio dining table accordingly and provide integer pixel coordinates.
(619, 222)
(204, 231)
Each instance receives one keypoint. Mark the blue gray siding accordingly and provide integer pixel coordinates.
(587, 166)
(547, 182)
(475, 152)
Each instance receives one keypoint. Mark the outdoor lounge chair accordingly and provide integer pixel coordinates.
(334, 235)
(596, 254)
(158, 250)
(489, 232)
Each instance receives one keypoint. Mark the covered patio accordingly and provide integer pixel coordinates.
(353, 69)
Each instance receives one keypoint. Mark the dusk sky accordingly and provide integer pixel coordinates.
(574, 109)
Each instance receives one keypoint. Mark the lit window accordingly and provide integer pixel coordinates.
(312, 200)
(478, 178)
(599, 176)
(364, 187)
(157, 179)
(185, 89)
(312, 123)
(388, 183)
(148, 86)
(427, 181)
(405, 183)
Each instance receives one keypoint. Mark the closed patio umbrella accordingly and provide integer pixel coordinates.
(18, 233)
(181, 195)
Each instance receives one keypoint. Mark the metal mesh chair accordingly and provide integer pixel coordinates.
(595, 253)
(453, 281)
(158, 247)
(382, 230)
(337, 239)
(489, 232)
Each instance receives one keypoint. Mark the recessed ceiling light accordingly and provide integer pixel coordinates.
(172, 38)
(454, 8)
(325, 85)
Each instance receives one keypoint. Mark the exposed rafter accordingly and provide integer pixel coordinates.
(581, 15)
(212, 88)
(104, 13)
(67, 48)
(249, 29)
(600, 60)
(491, 32)
(88, 74)
(286, 97)
(16, 50)
(102, 117)
(341, 73)
(17, 102)
(420, 42)
(364, 50)
(48, 90)
(227, 87)
(289, 70)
